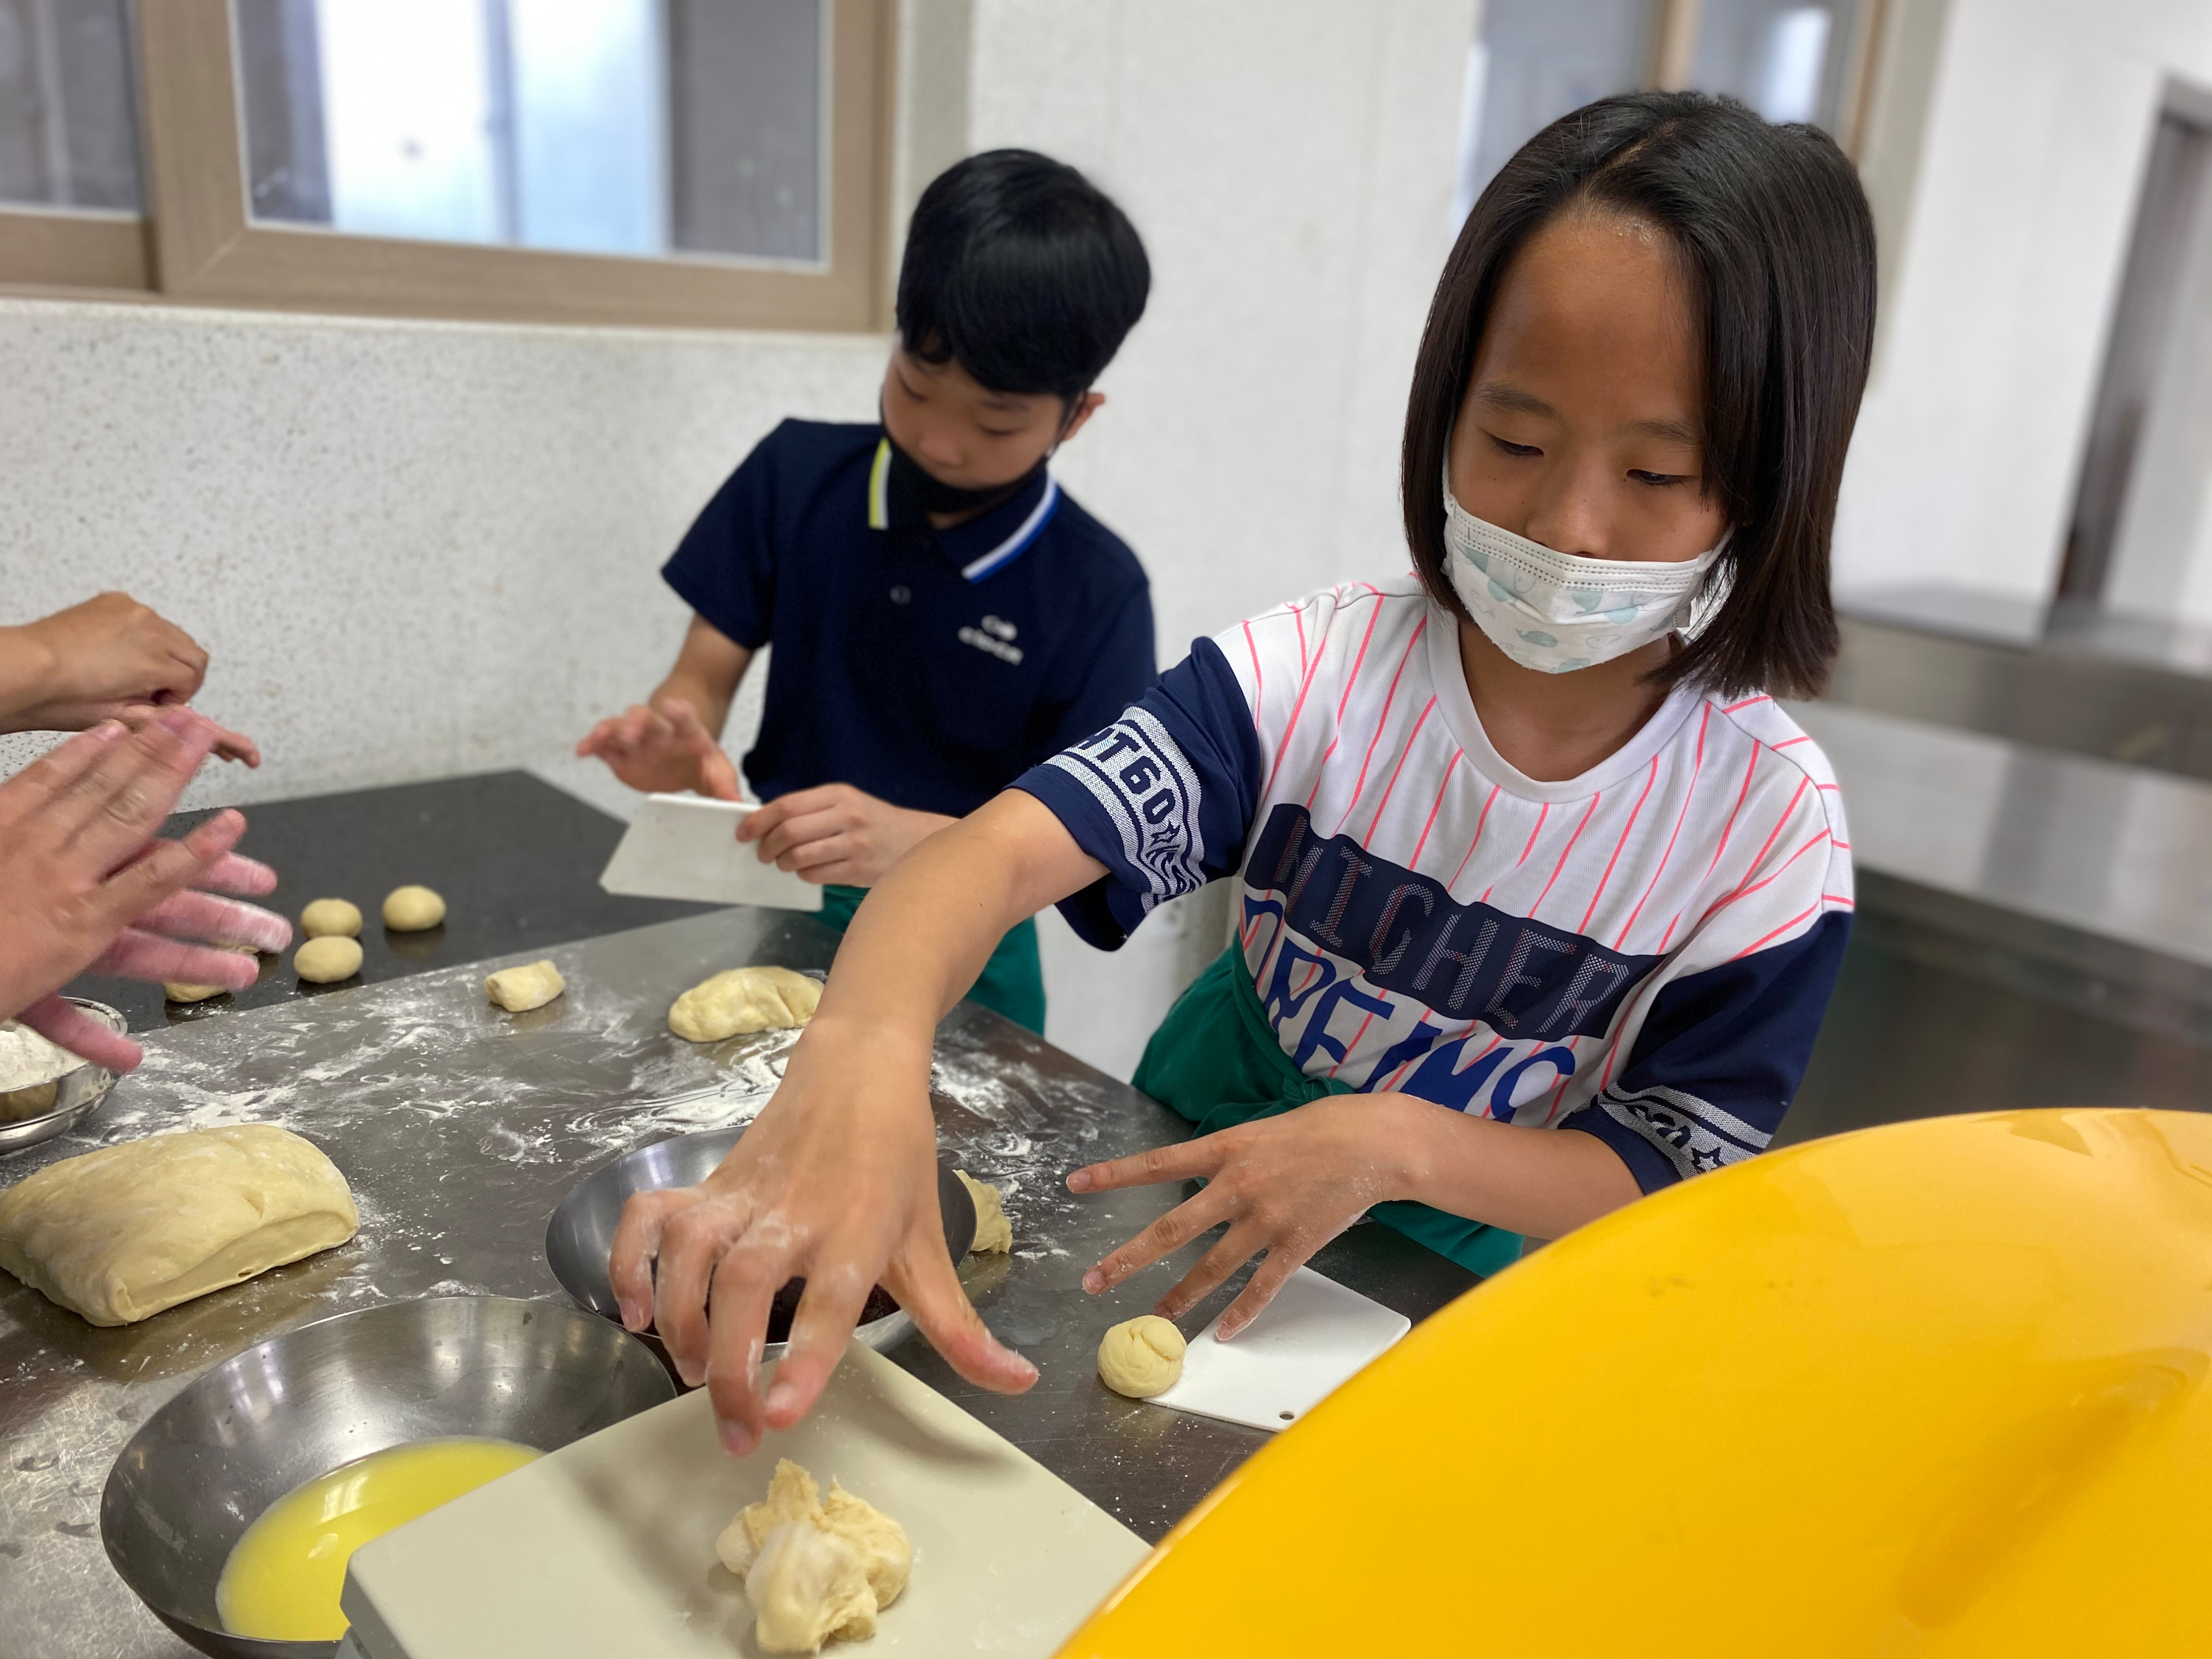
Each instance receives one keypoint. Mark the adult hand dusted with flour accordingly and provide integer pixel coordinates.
(83, 885)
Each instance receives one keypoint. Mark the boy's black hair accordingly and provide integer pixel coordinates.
(1775, 238)
(1023, 271)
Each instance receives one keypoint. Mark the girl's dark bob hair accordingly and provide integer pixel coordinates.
(1775, 237)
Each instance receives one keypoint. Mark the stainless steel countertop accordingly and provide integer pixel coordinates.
(2111, 850)
(460, 1126)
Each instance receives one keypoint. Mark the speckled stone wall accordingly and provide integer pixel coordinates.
(411, 548)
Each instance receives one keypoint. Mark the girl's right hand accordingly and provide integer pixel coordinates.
(835, 1182)
(663, 748)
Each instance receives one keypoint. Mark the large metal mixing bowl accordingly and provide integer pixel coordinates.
(266, 1421)
(28, 1117)
(582, 1229)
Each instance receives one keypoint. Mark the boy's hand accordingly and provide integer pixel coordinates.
(663, 749)
(1285, 1185)
(838, 834)
(90, 662)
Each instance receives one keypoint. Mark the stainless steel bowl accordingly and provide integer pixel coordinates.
(582, 1229)
(75, 1093)
(266, 1421)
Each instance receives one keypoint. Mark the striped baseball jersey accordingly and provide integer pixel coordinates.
(1644, 952)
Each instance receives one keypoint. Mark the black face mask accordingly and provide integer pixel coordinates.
(932, 495)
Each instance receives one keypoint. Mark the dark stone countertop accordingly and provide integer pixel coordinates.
(516, 860)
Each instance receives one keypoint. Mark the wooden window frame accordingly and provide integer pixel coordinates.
(197, 244)
(1673, 50)
(46, 248)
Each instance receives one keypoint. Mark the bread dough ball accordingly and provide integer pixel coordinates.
(995, 1234)
(202, 993)
(814, 1568)
(745, 1000)
(1141, 1357)
(411, 910)
(325, 961)
(120, 1234)
(518, 990)
(331, 919)
(31, 1071)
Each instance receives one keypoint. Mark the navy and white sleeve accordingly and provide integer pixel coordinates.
(1163, 797)
(1719, 1058)
(725, 568)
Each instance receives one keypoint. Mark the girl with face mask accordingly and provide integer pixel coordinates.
(1540, 895)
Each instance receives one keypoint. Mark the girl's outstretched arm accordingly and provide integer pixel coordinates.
(836, 1181)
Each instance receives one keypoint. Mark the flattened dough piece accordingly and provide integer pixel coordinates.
(120, 1234)
(519, 990)
(745, 1000)
(884, 1546)
(995, 1234)
(806, 1586)
(814, 1568)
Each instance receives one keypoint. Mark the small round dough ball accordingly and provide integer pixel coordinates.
(1141, 1357)
(745, 1000)
(411, 910)
(325, 960)
(201, 993)
(519, 990)
(331, 919)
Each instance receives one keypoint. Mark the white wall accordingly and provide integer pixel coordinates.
(1964, 468)
(423, 549)
(1289, 163)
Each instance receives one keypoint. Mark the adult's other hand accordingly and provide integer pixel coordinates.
(84, 886)
(89, 663)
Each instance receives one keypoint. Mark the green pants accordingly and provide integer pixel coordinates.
(1013, 980)
(1216, 1060)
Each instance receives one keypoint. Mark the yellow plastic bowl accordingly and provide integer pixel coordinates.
(1933, 1388)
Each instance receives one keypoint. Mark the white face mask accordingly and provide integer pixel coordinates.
(1556, 612)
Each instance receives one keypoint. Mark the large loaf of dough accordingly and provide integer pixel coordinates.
(119, 1234)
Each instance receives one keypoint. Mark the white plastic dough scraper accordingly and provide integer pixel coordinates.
(1312, 1337)
(686, 847)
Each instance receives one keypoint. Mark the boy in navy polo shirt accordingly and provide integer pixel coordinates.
(943, 616)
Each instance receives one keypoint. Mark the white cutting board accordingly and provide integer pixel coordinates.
(686, 847)
(605, 1548)
(1312, 1337)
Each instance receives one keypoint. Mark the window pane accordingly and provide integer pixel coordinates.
(69, 119)
(1537, 59)
(606, 126)
(1783, 57)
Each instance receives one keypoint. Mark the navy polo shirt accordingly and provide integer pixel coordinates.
(930, 668)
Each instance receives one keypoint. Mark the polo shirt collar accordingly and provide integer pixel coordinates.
(983, 545)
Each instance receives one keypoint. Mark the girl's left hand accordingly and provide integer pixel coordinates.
(1285, 1185)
